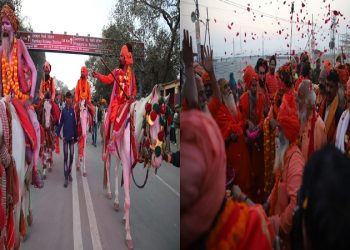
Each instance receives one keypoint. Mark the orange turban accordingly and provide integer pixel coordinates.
(9, 12)
(249, 75)
(127, 55)
(203, 174)
(84, 69)
(327, 65)
(47, 65)
(288, 118)
(205, 78)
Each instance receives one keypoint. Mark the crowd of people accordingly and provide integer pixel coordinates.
(281, 151)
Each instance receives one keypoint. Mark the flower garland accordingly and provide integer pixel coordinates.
(269, 156)
(152, 111)
(83, 92)
(230, 228)
(10, 75)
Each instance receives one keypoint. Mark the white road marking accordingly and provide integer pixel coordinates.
(77, 238)
(95, 236)
(166, 184)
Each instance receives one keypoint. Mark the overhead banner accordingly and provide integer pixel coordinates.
(68, 43)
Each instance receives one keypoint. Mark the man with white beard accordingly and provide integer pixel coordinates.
(289, 164)
(21, 83)
(229, 125)
(227, 97)
(312, 128)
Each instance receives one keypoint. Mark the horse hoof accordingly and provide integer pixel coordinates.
(109, 196)
(84, 174)
(116, 208)
(129, 244)
(30, 218)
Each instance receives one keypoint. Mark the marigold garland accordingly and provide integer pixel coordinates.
(9, 75)
(269, 156)
(83, 91)
(226, 235)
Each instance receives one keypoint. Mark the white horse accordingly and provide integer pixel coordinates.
(123, 154)
(49, 144)
(84, 120)
(23, 172)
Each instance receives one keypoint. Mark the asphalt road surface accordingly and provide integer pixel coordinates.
(81, 217)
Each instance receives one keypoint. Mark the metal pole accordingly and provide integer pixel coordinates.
(198, 35)
(291, 32)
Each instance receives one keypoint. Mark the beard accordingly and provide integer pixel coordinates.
(303, 115)
(230, 103)
(282, 145)
(47, 76)
(6, 42)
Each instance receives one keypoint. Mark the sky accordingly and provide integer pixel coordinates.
(72, 16)
(229, 17)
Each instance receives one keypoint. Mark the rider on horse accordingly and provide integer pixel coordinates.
(126, 79)
(18, 79)
(82, 92)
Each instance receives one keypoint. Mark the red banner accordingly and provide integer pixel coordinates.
(68, 43)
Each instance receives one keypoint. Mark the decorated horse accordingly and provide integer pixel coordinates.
(139, 137)
(15, 177)
(47, 123)
(84, 122)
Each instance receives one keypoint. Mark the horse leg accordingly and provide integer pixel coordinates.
(84, 155)
(78, 160)
(108, 170)
(30, 215)
(36, 180)
(126, 165)
(116, 193)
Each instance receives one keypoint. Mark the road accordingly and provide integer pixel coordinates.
(81, 217)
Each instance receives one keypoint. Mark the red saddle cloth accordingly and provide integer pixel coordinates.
(25, 122)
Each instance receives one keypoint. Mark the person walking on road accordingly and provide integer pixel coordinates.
(70, 134)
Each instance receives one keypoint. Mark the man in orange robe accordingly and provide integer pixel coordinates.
(125, 79)
(271, 78)
(251, 106)
(330, 110)
(82, 92)
(312, 128)
(289, 164)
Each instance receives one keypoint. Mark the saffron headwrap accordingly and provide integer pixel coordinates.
(288, 118)
(203, 174)
(249, 75)
(47, 65)
(9, 12)
(206, 78)
(84, 69)
(127, 55)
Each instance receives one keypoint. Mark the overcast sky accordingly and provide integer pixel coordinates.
(227, 17)
(78, 16)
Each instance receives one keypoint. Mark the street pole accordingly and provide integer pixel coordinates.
(291, 31)
(198, 35)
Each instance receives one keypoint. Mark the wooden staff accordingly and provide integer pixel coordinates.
(104, 63)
